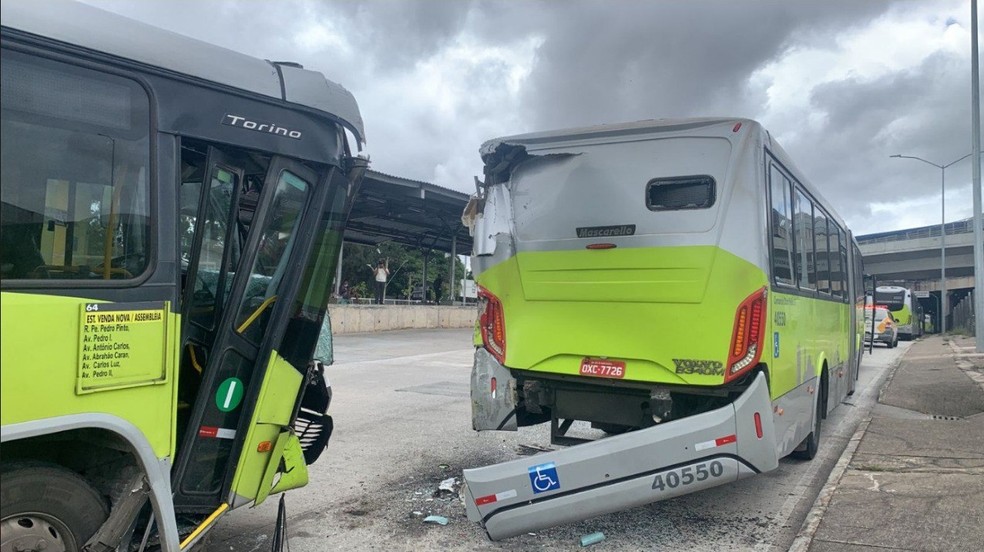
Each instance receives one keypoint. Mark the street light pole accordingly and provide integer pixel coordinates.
(942, 169)
(975, 100)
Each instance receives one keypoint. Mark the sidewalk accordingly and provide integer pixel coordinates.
(914, 477)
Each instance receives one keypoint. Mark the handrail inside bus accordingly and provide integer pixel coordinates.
(108, 241)
(256, 314)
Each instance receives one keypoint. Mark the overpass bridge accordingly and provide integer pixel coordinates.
(911, 258)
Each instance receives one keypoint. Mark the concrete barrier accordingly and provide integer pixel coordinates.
(346, 319)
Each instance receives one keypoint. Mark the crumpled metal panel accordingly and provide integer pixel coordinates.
(492, 411)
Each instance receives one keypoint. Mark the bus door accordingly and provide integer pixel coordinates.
(208, 212)
(256, 288)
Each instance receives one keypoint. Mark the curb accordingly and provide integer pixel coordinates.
(962, 360)
(811, 524)
(804, 538)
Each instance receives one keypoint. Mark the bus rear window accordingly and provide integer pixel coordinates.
(681, 192)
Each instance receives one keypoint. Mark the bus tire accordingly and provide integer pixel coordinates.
(50, 503)
(810, 445)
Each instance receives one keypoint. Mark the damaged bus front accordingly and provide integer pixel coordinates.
(634, 277)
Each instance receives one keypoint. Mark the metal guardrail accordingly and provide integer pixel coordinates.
(958, 227)
(963, 315)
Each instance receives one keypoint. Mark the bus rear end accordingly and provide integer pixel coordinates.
(610, 299)
(615, 289)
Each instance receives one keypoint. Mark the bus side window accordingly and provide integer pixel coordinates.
(806, 270)
(836, 270)
(822, 258)
(782, 228)
(75, 188)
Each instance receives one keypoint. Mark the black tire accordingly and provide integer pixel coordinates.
(45, 501)
(811, 444)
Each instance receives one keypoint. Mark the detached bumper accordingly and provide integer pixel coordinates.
(624, 471)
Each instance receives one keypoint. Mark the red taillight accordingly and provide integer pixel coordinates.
(493, 324)
(758, 425)
(746, 339)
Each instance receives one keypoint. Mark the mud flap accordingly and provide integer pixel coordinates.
(624, 471)
(493, 394)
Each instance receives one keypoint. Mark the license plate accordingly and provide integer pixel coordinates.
(600, 368)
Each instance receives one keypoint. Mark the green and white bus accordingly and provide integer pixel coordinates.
(677, 283)
(905, 309)
(171, 217)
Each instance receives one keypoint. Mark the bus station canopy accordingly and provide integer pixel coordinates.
(389, 208)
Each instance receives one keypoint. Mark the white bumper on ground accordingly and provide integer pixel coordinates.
(624, 471)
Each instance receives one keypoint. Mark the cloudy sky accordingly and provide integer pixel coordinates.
(842, 84)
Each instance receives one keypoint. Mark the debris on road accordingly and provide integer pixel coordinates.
(439, 520)
(448, 484)
(593, 538)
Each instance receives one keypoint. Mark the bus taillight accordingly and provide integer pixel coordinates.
(493, 325)
(746, 339)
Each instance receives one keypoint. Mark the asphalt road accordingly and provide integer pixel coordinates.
(403, 425)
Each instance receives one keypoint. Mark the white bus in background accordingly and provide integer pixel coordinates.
(905, 308)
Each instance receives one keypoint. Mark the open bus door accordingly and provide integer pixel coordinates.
(247, 391)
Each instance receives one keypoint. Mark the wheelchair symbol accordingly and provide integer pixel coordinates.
(544, 478)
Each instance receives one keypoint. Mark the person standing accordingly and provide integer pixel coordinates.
(381, 273)
(344, 293)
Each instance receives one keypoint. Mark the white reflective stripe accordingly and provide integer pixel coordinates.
(224, 433)
(705, 445)
(505, 494)
(719, 442)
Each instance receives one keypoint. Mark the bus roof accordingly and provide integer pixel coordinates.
(649, 126)
(101, 31)
(728, 126)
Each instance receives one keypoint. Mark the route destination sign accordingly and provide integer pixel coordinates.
(121, 345)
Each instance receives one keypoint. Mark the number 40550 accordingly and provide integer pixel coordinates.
(687, 475)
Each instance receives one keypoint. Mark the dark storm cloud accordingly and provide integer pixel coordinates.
(396, 35)
(587, 62)
(923, 111)
(605, 62)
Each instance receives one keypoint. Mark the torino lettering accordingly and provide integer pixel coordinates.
(269, 128)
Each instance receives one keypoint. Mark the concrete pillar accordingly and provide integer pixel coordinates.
(424, 283)
(454, 257)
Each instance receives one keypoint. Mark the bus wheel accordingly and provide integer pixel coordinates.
(810, 445)
(46, 507)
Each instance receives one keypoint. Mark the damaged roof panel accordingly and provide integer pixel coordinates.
(540, 140)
